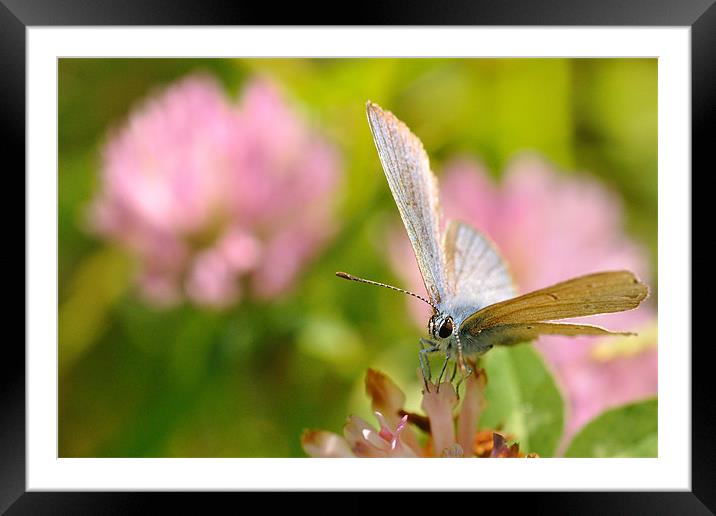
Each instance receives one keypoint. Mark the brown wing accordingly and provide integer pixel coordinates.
(510, 334)
(599, 293)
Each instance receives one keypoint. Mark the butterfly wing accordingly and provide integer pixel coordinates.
(599, 293)
(414, 188)
(510, 334)
(479, 277)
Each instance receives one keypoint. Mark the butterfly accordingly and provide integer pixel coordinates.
(469, 286)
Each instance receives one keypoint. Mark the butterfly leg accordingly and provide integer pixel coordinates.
(442, 371)
(454, 372)
(463, 376)
(464, 368)
(432, 347)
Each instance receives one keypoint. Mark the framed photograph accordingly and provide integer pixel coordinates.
(195, 193)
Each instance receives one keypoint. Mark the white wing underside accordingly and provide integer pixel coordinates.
(478, 274)
(415, 191)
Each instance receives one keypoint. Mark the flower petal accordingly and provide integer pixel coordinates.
(363, 439)
(385, 432)
(483, 443)
(211, 193)
(501, 450)
(472, 405)
(318, 443)
(438, 405)
(385, 396)
(388, 399)
(398, 447)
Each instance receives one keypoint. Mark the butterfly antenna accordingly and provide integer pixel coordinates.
(347, 276)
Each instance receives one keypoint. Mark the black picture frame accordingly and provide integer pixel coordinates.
(17, 15)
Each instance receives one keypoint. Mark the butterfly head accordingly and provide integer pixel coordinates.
(441, 326)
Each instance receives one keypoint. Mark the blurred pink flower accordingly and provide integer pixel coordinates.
(448, 436)
(213, 197)
(550, 227)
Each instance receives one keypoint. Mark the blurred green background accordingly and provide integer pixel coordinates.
(245, 382)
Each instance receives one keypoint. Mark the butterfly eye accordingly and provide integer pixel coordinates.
(445, 329)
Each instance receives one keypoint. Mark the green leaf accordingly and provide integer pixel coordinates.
(627, 431)
(523, 399)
